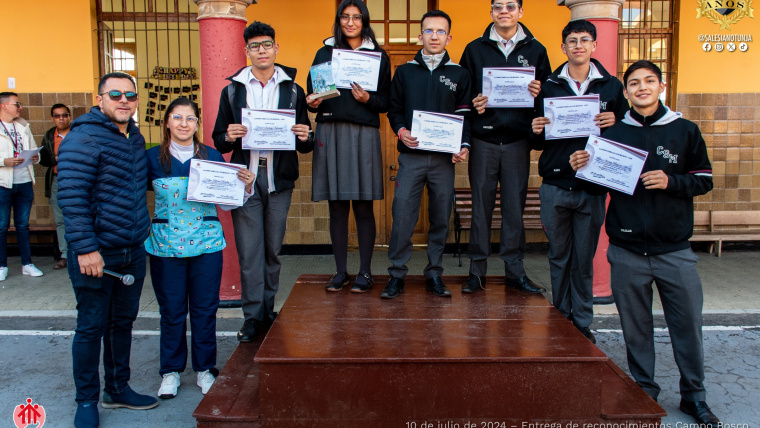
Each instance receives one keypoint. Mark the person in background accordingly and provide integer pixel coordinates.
(61, 117)
(185, 248)
(16, 184)
(348, 158)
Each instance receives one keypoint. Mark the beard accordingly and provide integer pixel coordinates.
(118, 116)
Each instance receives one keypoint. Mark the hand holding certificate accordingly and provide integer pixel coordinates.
(362, 67)
(612, 164)
(508, 86)
(269, 129)
(571, 117)
(27, 156)
(437, 132)
(215, 183)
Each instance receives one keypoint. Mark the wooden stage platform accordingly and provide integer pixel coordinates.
(493, 359)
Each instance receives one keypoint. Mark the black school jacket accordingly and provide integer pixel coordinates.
(231, 103)
(503, 125)
(446, 89)
(653, 222)
(554, 165)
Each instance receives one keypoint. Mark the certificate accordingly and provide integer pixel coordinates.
(27, 156)
(269, 129)
(362, 67)
(508, 86)
(612, 164)
(437, 132)
(215, 183)
(571, 117)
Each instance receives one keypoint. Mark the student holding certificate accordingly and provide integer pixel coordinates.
(347, 163)
(649, 238)
(572, 211)
(434, 84)
(185, 247)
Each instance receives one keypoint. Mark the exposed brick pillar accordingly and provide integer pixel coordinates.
(221, 25)
(604, 14)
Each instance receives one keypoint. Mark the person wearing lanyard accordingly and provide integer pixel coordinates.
(16, 184)
(61, 116)
(260, 223)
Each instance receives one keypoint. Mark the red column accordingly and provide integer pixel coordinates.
(221, 25)
(604, 15)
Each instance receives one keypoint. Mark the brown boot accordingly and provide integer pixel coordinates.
(60, 265)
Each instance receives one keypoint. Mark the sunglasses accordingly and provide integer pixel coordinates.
(61, 116)
(511, 7)
(116, 95)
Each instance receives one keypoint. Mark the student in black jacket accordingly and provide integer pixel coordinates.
(649, 237)
(500, 146)
(348, 159)
(573, 213)
(430, 83)
(260, 223)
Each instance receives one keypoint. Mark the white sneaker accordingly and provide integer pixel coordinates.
(205, 380)
(31, 270)
(169, 385)
(3, 273)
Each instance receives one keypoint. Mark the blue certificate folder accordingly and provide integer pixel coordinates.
(322, 81)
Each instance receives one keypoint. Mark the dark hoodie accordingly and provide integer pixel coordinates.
(503, 125)
(652, 222)
(231, 103)
(554, 165)
(446, 89)
(102, 177)
(345, 108)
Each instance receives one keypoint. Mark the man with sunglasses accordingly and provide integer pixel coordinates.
(500, 146)
(260, 223)
(102, 175)
(61, 117)
(16, 184)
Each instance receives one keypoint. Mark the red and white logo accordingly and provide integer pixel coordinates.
(29, 414)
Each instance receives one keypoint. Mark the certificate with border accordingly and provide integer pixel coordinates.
(437, 132)
(613, 165)
(269, 129)
(215, 183)
(571, 117)
(507, 87)
(362, 67)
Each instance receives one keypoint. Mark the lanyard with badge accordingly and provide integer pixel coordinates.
(15, 138)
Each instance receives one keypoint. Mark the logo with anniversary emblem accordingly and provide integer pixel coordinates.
(724, 12)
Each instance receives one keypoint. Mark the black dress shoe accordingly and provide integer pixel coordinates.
(437, 286)
(524, 284)
(363, 283)
(247, 332)
(700, 411)
(474, 284)
(338, 281)
(393, 289)
(589, 335)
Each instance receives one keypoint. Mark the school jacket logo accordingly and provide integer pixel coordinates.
(666, 154)
(446, 81)
(521, 59)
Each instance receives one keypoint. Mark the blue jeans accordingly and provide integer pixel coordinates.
(106, 309)
(20, 198)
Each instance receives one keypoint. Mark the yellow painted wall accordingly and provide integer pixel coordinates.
(48, 45)
(716, 72)
(303, 25)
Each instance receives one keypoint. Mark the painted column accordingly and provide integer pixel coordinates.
(221, 25)
(605, 15)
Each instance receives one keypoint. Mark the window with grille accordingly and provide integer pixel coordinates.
(646, 32)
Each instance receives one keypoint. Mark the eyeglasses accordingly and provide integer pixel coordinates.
(61, 116)
(430, 32)
(189, 119)
(254, 46)
(17, 104)
(571, 43)
(345, 18)
(511, 7)
(116, 95)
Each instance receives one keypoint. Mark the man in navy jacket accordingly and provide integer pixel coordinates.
(649, 237)
(102, 175)
(572, 213)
